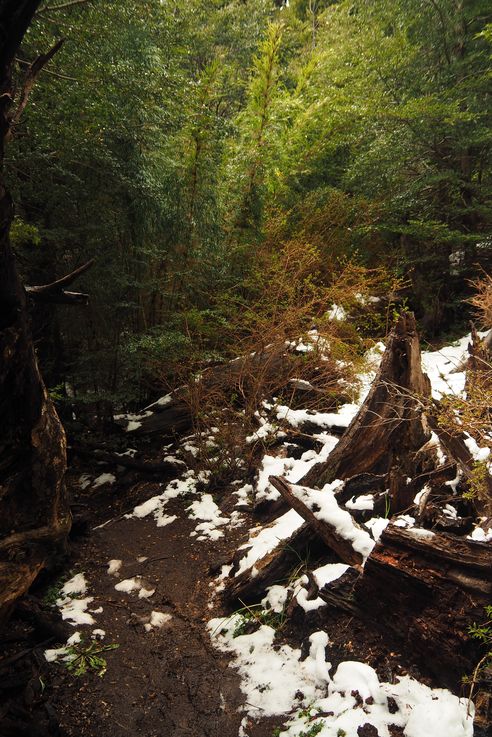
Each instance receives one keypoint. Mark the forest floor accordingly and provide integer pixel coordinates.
(141, 591)
(171, 680)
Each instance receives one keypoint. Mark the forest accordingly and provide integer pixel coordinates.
(245, 368)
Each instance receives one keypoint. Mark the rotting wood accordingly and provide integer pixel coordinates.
(115, 459)
(342, 547)
(273, 568)
(428, 591)
(389, 423)
(267, 372)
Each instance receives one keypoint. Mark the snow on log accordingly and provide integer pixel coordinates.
(249, 586)
(388, 426)
(335, 526)
(427, 588)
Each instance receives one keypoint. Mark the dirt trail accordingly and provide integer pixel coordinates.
(169, 682)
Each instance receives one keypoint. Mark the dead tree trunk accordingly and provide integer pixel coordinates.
(34, 516)
(428, 590)
(389, 424)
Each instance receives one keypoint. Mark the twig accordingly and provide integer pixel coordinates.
(63, 6)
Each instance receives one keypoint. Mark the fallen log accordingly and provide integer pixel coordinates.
(275, 567)
(388, 426)
(265, 373)
(116, 459)
(335, 526)
(454, 444)
(427, 589)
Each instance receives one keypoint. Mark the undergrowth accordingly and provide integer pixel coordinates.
(82, 658)
(255, 614)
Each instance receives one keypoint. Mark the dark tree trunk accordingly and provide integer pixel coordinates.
(34, 516)
(388, 425)
(429, 590)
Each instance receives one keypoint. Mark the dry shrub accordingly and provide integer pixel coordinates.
(473, 413)
(287, 297)
(482, 300)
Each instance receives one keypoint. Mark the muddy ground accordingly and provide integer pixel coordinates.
(169, 682)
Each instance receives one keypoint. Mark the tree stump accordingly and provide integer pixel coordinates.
(388, 427)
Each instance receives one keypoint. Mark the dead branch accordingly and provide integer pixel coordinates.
(54, 293)
(327, 532)
(32, 74)
(62, 6)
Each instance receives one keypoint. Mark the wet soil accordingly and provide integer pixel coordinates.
(169, 682)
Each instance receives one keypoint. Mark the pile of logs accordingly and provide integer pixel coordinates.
(426, 583)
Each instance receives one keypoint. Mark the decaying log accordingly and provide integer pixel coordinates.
(327, 532)
(478, 358)
(454, 444)
(273, 568)
(265, 372)
(170, 419)
(388, 426)
(115, 459)
(484, 345)
(428, 590)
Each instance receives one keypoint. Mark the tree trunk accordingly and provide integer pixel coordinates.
(388, 425)
(429, 590)
(34, 516)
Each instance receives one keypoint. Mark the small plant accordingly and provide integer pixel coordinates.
(483, 633)
(313, 730)
(249, 615)
(477, 483)
(82, 658)
(53, 592)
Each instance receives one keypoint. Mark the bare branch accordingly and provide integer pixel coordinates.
(48, 71)
(55, 293)
(62, 6)
(60, 298)
(31, 75)
(68, 279)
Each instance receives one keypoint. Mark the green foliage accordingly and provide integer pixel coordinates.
(57, 393)
(53, 592)
(477, 483)
(190, 148)
(483, 634)
(22, 234)
(85, 658)
(255, 614)
(312, 731)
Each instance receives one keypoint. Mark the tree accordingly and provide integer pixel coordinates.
(34, 513)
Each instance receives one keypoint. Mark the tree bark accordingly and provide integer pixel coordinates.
(34, 515)
(389, 423)
(326, 531)
(428, 590)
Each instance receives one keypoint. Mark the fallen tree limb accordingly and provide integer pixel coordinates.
(328, 532)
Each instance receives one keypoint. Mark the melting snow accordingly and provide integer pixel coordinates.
(135, 584)
(275, 681)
